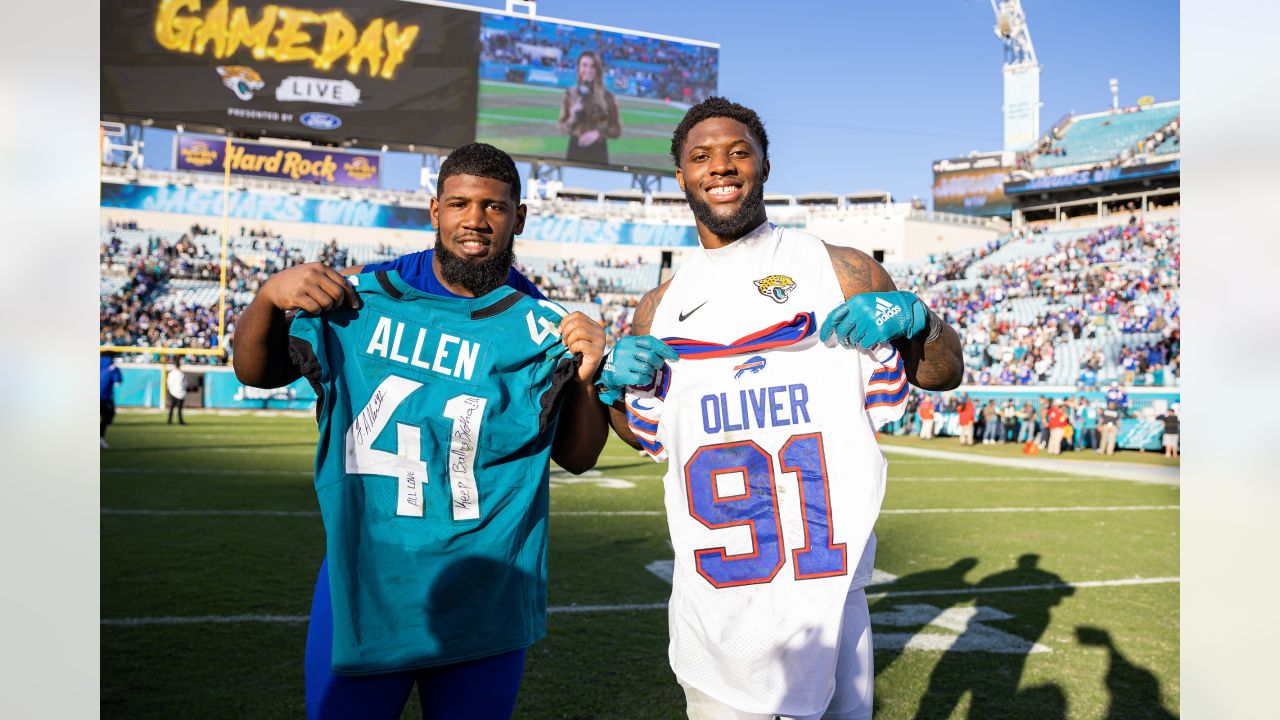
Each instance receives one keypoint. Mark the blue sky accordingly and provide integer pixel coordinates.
(859, 95)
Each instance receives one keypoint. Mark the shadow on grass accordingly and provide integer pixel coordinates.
(1134, 690)
(998, 632)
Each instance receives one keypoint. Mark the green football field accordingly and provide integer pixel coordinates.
(521, 119)
(1003, 593)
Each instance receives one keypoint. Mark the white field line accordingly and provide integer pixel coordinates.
(213, 513)
(1081, 508)
(225, 471)
(1003, 478)
(1124, 582)
(198, 471)
(627, 513)
(630, 607)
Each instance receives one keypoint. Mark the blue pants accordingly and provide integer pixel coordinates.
(483, 689)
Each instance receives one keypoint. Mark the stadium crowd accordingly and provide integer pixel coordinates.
(1052, 425)
(1115, 281)
(1087, 292)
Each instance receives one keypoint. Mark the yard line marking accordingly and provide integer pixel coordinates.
(198, 471)
(265, 513)
(1082, 508)
(204, 619)
(628, 607)
(309, 513)
(606, 608)
(1123, 582)
(648, 513)
(606, 513)
(994, 478)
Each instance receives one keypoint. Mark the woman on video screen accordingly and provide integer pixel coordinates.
(589, 113)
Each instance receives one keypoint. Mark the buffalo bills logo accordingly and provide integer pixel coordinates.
(753, 365)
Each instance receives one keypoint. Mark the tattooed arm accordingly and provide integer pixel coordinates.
(640, 323)
(933, 365)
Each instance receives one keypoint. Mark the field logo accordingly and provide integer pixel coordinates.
(753, 365)
(242, 80)
(318, 90)
(320, 121)
(885, 311)
(199, 154)
(359, 168)
(776, 287)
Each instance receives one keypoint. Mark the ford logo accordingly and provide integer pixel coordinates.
(320, 121)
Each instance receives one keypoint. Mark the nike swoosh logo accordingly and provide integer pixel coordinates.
(685, 316)
(636, 404)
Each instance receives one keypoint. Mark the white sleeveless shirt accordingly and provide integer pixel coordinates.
(774, 477)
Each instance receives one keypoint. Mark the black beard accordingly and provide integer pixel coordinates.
(734, 227)
(479, 277)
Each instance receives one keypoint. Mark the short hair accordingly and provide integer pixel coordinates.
(714, 107)
(481, 160)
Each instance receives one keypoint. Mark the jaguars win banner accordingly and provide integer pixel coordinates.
(323, 166)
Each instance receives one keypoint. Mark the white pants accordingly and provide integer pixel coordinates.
(855, 673)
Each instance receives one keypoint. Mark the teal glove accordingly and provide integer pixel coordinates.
(868, 319)
(633, 361)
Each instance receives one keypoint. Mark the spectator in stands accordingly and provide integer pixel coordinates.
(1119, 397)
(1042, 421)
(1088, 425)
(1057, 421)
(589, 113)
(990, 423)
(925, 410)
(1026, 423)
(1088, 379)
(966, 418)
(1170, 440)
(175, 382)
(1009, 421)
(108, 377)
(1129, 364)
(1109, 421)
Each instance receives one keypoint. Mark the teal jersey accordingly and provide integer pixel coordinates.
(436, 417)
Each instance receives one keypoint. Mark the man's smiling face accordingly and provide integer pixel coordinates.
(722, 172)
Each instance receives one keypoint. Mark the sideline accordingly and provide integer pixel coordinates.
(1154, 474)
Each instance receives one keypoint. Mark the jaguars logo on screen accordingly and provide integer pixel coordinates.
(359, 168)
(242, 80)
(776, 287)
(199, 154)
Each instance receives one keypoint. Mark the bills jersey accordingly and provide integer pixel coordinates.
(774, 478)
(436, 420)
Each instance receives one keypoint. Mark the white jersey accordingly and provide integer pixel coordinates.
(774, 478)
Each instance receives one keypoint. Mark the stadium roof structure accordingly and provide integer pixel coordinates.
(579, 193)
(868, 196)
(625, 195)
(818, 198)
(777, 199)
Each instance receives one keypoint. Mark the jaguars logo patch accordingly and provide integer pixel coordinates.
(776, 287)
(241, 80)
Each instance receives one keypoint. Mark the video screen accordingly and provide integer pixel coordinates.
(972, 185)
(593, 97)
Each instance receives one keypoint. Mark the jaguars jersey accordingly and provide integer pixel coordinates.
(436, 418)
(774, 478)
